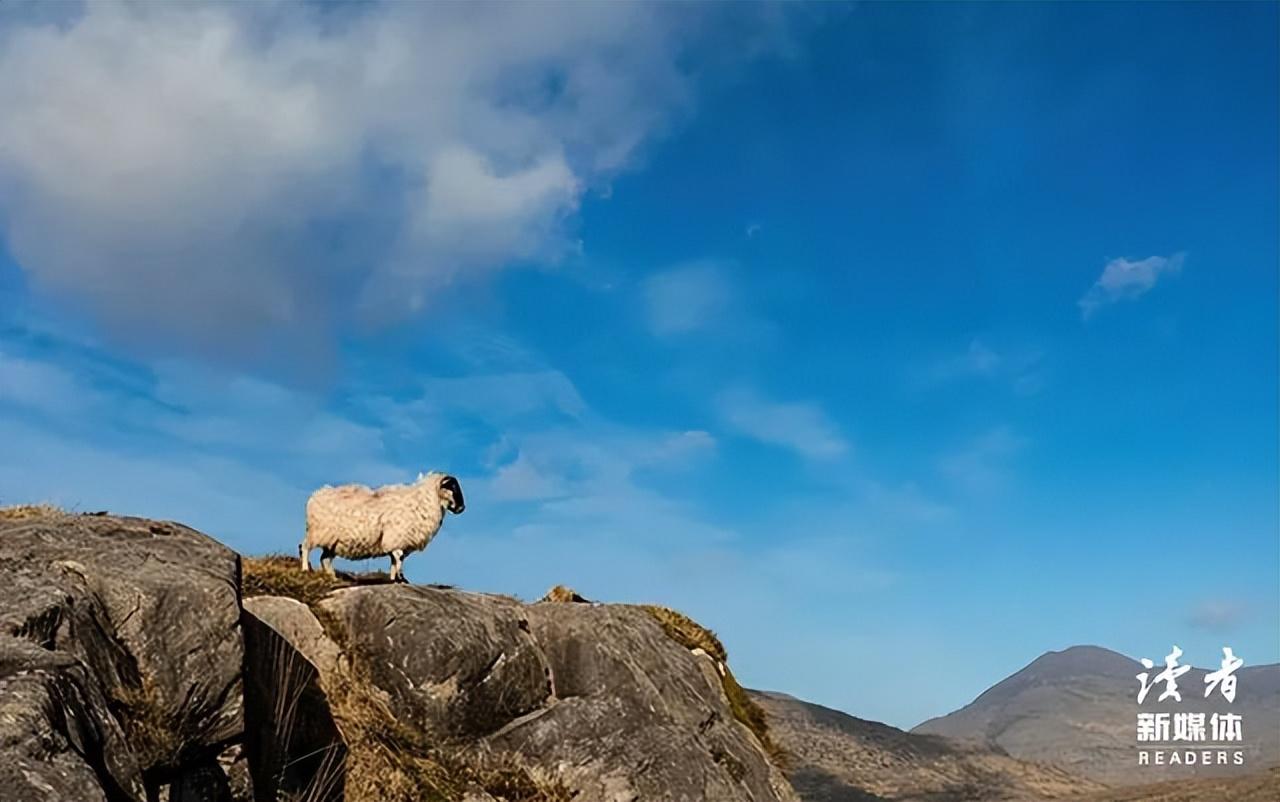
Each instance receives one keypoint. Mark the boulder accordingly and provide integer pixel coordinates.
(292, 746)
(636, 715)
(58, 737)
(140, 620)
(594, 699)
(454, 665)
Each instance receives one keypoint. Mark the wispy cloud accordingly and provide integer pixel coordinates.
(1020, 367)
(1125, 280)
(800, 426)
(1217, 615)
(981, 465)
(687, 298)
(37, 385)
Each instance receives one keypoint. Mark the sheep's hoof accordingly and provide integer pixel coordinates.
(400, 580)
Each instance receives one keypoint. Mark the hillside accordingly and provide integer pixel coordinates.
(1260, 787)
(838, 758)
(1077, 708)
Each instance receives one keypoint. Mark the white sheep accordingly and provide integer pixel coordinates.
(358, 522)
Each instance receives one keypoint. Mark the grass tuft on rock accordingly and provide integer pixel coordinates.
(386, 760)
(152, 737)
(690, 634)
(280, 575)
(22, 512)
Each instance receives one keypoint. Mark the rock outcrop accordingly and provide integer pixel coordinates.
(120, 656)
(137, 664)
(591, 702)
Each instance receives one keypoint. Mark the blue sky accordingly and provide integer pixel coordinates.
(897, 343)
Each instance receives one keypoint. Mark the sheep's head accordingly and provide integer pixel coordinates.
(451, 494)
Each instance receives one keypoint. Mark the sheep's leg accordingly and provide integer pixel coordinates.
(304, 556)
(397, 566)
(326, 561)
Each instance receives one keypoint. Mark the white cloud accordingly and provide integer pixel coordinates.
(1124, 280)
(802, 427)
(686, 298)
(679, 446)
(521, 480)
(977, 360)
(981, 465)
(200, 413)
(1021, 368)
(220, 174)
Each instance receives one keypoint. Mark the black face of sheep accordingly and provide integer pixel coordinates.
(454, 490)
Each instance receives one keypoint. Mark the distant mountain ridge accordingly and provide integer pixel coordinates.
(835, 757)
(1077, 709)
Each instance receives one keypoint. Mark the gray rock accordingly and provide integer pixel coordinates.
(593, 698)
(143, 618)
(295, 622)
(456, 665)
(128, 666)
(636, 715)
(292, 744)
(235, 764)
(58, 739)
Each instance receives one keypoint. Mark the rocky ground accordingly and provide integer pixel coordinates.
(142, 660)
(1259, 787)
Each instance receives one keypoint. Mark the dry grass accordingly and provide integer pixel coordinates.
(386, 760)
(563, 594)
(1261, 787)
(151, 736)
(291, 674)
(690, 634)
(281, 575)
(22, 512)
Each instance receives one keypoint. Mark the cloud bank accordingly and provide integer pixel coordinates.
(215, 175)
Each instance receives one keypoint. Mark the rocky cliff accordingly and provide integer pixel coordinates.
(142, 660)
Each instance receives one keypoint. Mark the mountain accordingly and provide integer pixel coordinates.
(142, 660)
(835, 757)
(1078, 708)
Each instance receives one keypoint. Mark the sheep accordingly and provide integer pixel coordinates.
(358, 522)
